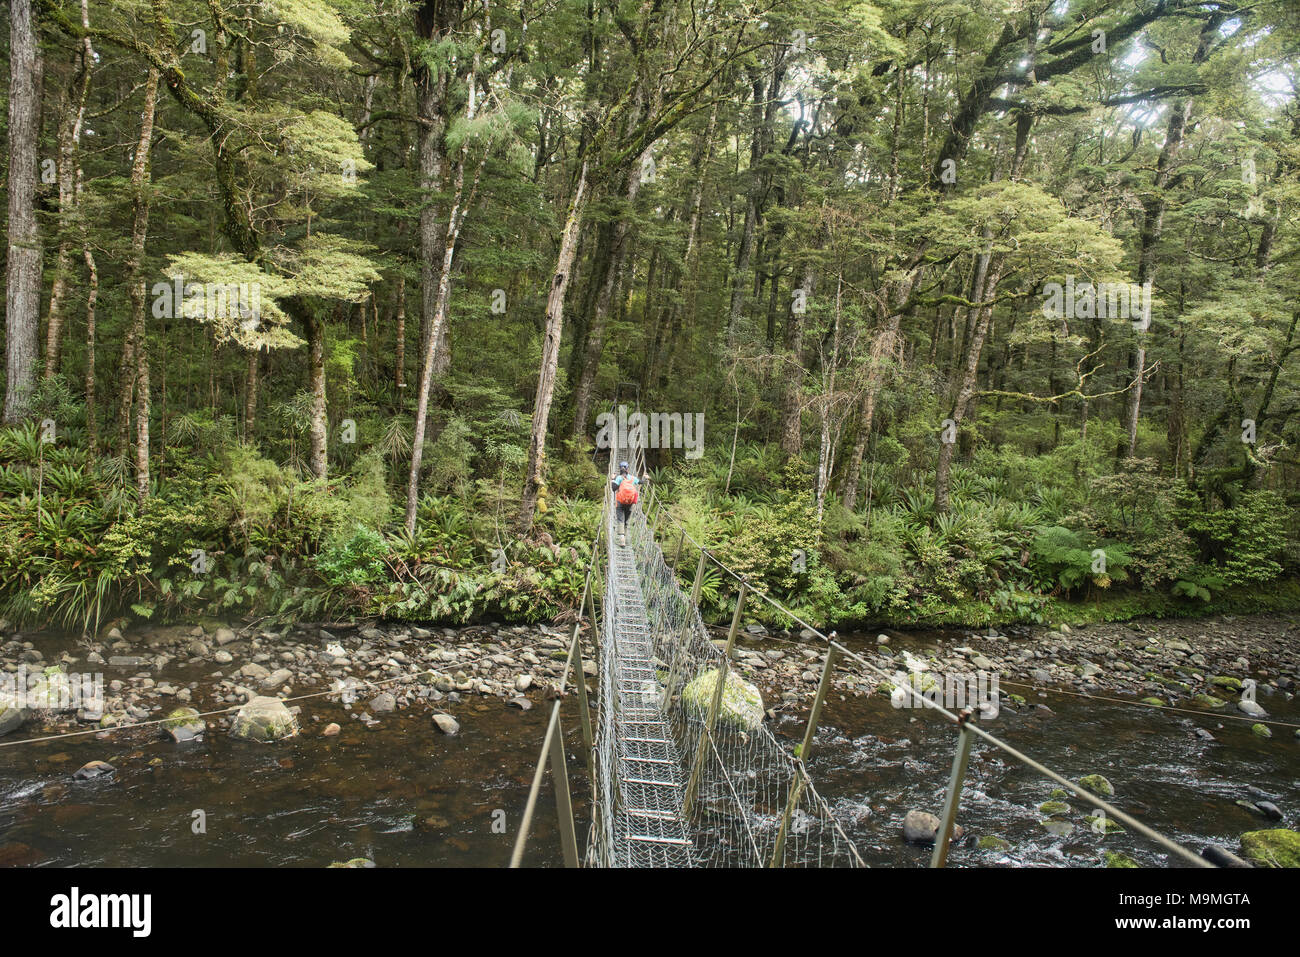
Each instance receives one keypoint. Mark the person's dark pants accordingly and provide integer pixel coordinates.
(623, 514)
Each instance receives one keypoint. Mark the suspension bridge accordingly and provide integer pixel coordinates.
(684, 771)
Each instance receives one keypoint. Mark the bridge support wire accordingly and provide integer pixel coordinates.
(967, 729)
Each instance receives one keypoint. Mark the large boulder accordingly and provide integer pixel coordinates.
(742, 704)
(1276, 848)
(264, 719)
(11, 717)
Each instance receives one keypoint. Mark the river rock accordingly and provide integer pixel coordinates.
(1252, 708)
(523, 683)
(264, 719)
(253, 670)
(93, 769)
(331, 730)
(1269, 810)
(223, 636)
(127, 661)
(742, 703)
(223, 657)
(446, 724)
(383, 702)
(11, 717)
(184, 724)
(1097, 784)
(921, 827)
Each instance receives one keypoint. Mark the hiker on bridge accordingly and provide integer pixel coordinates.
(624, 485)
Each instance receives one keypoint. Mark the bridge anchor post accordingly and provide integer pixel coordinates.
(805, 749)
(949, 817)
(563, 801)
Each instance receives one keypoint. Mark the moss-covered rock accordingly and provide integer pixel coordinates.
(1226, 682)
(1154, 702)
(1208, 701)
(1279, 847)
(1262, 730)
(1053, 808)
(991, 842)
(264, 719)
(1118, 859)
(184, 724)
(1097, 784)
(742, 704)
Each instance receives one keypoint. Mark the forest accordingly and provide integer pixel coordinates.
(945, 311)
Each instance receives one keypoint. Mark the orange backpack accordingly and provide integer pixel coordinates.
(627, 494)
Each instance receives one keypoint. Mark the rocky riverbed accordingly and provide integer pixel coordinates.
(1228, 665)
(375, 669)
(409, 744)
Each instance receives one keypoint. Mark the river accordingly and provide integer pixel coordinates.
(400, 793)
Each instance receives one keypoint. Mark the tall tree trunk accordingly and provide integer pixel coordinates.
(399, 375)
(965, 388)
(1153, 225)
(793, 372)
(140, 174)
(23, 276)
(92, 297)
(586, 383)
(551, 353)
(72, 108)
(437, 340)
(882, 344)
(318, 429)
(250, 394)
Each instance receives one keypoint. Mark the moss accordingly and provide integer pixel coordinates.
(1208, 701)
(1279, 847)
(1154, 702)
(1227, 682)
(1261, 730)
(991, 842)
(179, 718)
(1118, 859)
(1053, 808)
(1097, 784)
(742, 704)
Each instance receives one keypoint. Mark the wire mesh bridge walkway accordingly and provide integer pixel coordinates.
(684, 771)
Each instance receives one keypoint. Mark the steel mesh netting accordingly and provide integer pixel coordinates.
(718, 796)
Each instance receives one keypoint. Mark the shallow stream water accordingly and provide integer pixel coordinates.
(400, 793)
